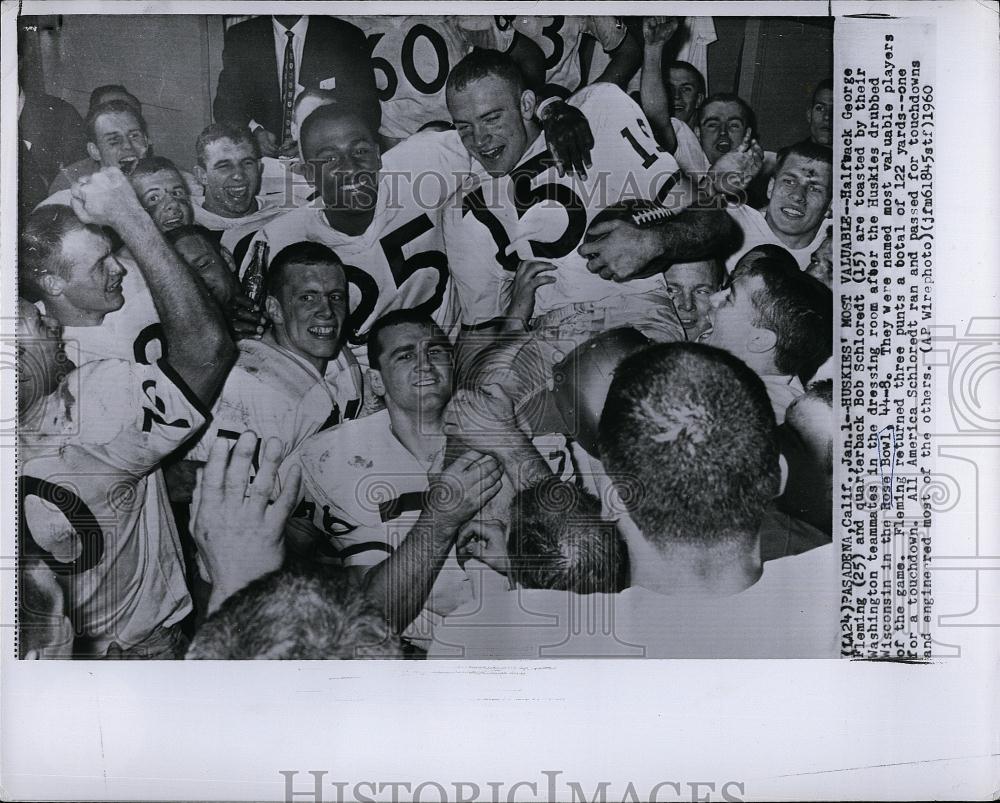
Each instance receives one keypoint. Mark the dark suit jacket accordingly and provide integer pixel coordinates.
(248, 84)
(56, 133)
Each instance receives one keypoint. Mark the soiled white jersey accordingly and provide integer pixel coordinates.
(559, 37)
(277, 394)
(533, 213)
(89, 458)
(365, 491)
(399, 262)
(412, 56)
(235, 233)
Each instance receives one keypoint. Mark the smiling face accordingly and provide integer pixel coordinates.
(164, 195)
(494, 122)
(119, 141)
(210, 267)
(684, 89)
(820, 117)
(722, 127)
(690, 286)
(798, 197)
(310, 311)
(344, 156)
(93, 287)
(415, 372)
(231, 175)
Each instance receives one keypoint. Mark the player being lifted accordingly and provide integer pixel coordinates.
(412, 56)
(384, 217)
(599, 275)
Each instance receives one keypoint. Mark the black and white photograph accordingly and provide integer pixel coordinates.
(430, 336)
(388, 333)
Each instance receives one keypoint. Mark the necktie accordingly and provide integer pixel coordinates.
(287, 89)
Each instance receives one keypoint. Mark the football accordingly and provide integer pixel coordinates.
(637, 211)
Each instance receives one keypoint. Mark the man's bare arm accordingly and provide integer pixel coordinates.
(401, 584)
(200, 349)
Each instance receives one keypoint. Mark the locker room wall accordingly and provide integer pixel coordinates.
(172, 62)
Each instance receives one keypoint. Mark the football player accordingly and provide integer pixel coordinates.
(382, 216)
(377, 490)
(229, 168)
(108, 532)
(295, 380)
(606, 269)
(412, 56)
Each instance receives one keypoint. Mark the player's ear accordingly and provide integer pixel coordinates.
(92, 152)
(52, 284)
(201, 174)
(528, 103)
(273, 309)
(375, 382)
(762, 341)
(770, 187)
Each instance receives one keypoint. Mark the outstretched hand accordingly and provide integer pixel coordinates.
(238, 529)
(733, 171)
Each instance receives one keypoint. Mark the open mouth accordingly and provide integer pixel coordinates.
(492, 155)
(237, 193)
(173, 222)
(127, 165)
(113, 287)
(325, 332)
(421, 383)
(792, 213)
(723, 146)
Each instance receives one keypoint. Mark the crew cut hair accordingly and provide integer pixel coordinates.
(40, 246)
(807, 149)
(798, 309)
(397, 317)
(302, 253)
(218, 131)
(749, 117)
(558, 540)
(688, 438)
(483, 63)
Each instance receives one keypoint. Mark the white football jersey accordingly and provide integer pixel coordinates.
(399, 262)
(364, 491)
(88, 469)
(533, 213)
(412, 56)
(559, 37)
(236, 233)
(277, 394)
